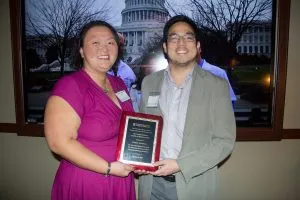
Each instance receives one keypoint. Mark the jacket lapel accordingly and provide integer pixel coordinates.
(156, 90)
(196, 94)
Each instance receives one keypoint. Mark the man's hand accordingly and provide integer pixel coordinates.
(166, 167)
(141, 172)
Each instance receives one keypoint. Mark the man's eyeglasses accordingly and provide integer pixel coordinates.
(174, 38)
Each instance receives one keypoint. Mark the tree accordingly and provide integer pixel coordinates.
(229, 19)
(223, 22)
(32, 59)
(58, 21)
(51, 54)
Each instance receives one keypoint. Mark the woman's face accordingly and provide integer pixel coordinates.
(100, 49)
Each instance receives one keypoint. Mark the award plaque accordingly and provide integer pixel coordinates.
(139, 140)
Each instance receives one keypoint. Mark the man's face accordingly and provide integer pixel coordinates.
(181, 46)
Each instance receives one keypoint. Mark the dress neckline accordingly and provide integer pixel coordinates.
(112, 83)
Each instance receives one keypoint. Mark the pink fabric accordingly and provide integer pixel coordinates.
(98, 131)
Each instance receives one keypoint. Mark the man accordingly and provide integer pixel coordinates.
(124, 71)
(199, 125)
(218, 72)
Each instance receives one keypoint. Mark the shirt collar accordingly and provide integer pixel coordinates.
(189, 76)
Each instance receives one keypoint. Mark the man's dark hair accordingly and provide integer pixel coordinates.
(180, 18)
(174, 20)
(78, 61)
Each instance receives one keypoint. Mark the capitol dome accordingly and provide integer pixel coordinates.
(142, 22)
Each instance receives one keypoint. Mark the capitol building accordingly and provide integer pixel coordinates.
(256, 40)
(142, 24)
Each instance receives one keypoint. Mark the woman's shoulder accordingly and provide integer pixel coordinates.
(72, 81)
(71, 88)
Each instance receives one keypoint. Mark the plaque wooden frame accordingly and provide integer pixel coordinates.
(135, 133)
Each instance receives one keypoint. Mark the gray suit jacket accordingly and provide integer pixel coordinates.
(209, 135)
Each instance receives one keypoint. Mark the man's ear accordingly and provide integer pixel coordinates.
(165, 47)
(81, 52)
(199, 46)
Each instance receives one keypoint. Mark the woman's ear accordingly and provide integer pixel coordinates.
(81, 52)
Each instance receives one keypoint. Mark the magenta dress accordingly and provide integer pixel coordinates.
(98, 131)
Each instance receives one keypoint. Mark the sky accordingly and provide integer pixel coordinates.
(118, 5)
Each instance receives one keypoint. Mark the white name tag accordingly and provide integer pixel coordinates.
(122, 95)
(153, 101)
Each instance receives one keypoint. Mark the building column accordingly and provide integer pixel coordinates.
(135, 38)
(130, 38)
(142, 38)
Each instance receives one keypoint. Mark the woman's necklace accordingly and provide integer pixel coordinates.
(105, 89)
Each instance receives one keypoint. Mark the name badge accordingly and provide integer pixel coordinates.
(153, 101)
(122, 95)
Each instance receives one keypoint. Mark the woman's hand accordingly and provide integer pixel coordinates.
(120, 169)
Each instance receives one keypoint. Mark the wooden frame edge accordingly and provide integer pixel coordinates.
(291, 134)
(8, 128)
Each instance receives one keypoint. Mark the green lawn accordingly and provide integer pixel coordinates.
(251, 73)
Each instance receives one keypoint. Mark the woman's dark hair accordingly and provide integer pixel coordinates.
(174, 20)
(78, 60)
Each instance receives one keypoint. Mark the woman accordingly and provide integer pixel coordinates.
(82, 119)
